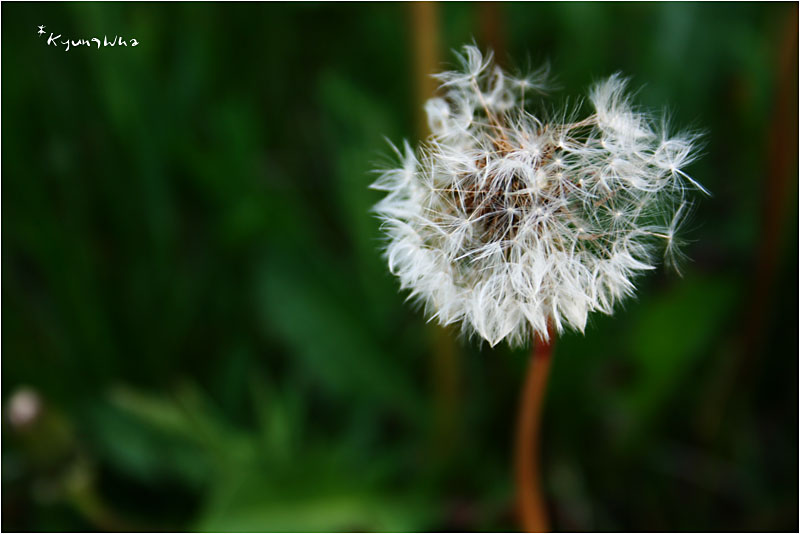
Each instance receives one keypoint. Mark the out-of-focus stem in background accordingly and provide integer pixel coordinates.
(424, 17)
(782, 156)
(492, 29)
(425, 41)
(780, 175)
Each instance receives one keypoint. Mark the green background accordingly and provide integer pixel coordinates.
(192, 283)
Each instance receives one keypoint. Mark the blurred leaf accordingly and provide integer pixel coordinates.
(336, 512)
(332, 341)
(668, 334)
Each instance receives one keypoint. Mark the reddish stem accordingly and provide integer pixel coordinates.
(531, 508)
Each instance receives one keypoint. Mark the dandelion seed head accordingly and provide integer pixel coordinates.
(506, 222)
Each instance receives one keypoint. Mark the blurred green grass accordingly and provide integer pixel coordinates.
(192, 282)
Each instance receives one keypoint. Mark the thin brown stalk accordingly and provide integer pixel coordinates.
(492, 28)
(778, 189)
(530, 503)
(446, 372)
(425, 43)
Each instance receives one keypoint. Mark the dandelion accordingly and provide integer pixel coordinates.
(516, 225)
(512, 224)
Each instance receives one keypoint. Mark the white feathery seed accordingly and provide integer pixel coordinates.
(505, 222)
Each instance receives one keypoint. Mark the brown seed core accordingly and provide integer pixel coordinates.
(500, 207)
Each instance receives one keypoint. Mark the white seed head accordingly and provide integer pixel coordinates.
(507, 222)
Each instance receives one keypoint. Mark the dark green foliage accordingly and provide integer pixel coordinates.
(192, 282)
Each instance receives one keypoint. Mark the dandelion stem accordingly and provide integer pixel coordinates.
(530, 503)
